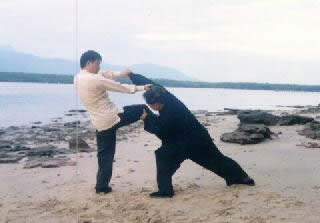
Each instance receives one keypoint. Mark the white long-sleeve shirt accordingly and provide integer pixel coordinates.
(93, 91)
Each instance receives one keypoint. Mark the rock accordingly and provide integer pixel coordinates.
(47, 151)
(13, 128)
(32, 164)
(247, 134)
(72, 124)
(6, 146)
(80, 143)
(10, 159)
(311, 130)
(231, 111)
(255, 129)
(79, 110)
(257, 117)
(3, 155)
(48, 163)
(311, 109)
(51, 130)
(294, 120)
(242, 138)
(20, 148)
(310, 145)
(200, 112)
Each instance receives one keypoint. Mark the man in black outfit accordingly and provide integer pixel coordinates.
(183, 137)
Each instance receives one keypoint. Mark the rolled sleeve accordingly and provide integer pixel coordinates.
(110, 74)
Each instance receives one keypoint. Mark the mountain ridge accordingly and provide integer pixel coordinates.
(14, 61)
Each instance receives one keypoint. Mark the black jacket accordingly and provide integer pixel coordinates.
(175, 121)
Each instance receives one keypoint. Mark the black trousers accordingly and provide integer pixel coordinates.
(200, 150)
(106, 142)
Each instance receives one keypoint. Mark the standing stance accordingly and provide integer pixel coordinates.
(183, 137)
(105, 116)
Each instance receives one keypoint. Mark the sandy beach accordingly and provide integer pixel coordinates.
(287, 185)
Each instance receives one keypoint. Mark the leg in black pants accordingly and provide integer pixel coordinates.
(168, 161)
(208, 156)
(106, 142)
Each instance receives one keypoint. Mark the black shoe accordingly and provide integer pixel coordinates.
(161, 194)
(247, 181)
(104, 190)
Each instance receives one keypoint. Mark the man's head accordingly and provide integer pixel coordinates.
(90, 61)
(155, 97)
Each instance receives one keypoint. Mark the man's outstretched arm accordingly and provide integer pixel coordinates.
(138, 79)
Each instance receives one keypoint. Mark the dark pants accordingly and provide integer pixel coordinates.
(201, 151)
(106, 142)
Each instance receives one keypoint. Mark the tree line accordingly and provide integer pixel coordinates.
(68, 79)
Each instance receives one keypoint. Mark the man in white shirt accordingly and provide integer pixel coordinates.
(105, 116)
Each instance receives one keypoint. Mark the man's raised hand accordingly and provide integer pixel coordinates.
(144, 115)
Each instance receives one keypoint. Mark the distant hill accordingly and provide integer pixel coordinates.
(13, 61)
(157, 71)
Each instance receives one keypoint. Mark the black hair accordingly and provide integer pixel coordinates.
(155, 94)
(89, 56)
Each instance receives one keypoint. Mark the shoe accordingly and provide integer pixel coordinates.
(246, 181)
(104, 190)
(161, 194)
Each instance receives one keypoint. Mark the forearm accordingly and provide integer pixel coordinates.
(112, 85)
(151, 124)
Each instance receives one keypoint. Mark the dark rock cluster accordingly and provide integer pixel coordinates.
(253, 126)
(49, 145)
(258, 117)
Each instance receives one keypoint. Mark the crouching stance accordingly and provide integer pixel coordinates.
(183, 137)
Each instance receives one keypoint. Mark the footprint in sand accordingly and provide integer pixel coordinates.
(316, 187)
(85, 221)
(131, 171)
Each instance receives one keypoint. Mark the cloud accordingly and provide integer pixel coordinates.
(284, 29)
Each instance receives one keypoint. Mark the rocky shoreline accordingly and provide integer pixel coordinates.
(50, 145)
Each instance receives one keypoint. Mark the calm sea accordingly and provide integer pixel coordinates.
(24, 103)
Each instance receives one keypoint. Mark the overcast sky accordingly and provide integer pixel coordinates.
(208, 39)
